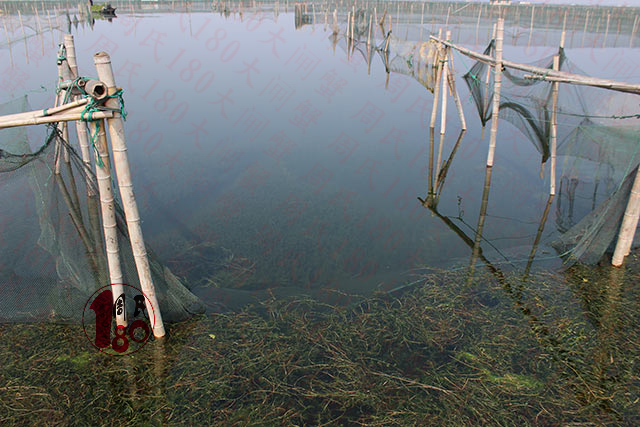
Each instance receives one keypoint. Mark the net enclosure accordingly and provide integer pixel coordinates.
(598, 147)
(53, 257)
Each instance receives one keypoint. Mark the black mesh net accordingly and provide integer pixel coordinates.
(53, 257)
(597, 147)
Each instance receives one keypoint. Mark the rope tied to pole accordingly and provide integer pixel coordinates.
(87, 116)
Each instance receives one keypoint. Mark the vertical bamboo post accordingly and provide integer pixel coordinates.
(634, 30)
(496, 92)
(436, 89)
(478, 25)
(554, 127)
(533, 9)
(123, 173)
(444, 80)
(564, 33)
(6, 31)
(369, 32)
(422, 21)
(81, 128)
(606, 31)
(454, 91)
(24, 37)
(430, 190)
(107, 205)
(629, 224)
(443, 112)
(584, 32)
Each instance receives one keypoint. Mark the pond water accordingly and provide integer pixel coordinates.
(268, 156)
(272, 160)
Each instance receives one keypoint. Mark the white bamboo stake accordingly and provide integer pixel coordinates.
(436, 89)
(123, 173)
(606, 31)
(454, 92)
(24, 37)
(634, 30)
(629, 224)
(107, 205)
(445, 74)
(554, 124)
(584, 33)
(81, 128)
(478, 25)
(533, 9)
(497, 79)
(564, 33)
(369, 32)
(422, 21)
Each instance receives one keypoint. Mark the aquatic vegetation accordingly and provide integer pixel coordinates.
(499, 352)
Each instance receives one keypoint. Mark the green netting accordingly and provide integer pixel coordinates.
(597, 147)
(53, 256)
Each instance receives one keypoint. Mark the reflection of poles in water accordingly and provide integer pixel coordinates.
(480, 227)
(536, 242)
(434, 190)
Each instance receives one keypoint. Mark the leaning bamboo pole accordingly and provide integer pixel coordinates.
(81, 127)
(547, 74)
(436, 90)
(107, 205)
(629, 224)
(497, 83)
(454, 91)
(123, 173)
(554, 127)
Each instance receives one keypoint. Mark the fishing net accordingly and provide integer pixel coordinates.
(53, 256)
(597, 147)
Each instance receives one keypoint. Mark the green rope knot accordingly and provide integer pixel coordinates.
(118, 96)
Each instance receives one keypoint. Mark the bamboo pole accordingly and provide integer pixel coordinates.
(454, 91)
(430, 191)
(6, 31)
(24, 36)
(107, 205)
(533, 9)
(478, 26)
(436, 91)
(547, 74)
(629, 224)
(123, 173)
(554, 128)
(497, 83)
(422, 21)
(606, 31)
(564, 33)
(584, 33)
(81, 127)
(445, 74)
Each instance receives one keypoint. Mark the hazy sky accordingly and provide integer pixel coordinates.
(590, 2)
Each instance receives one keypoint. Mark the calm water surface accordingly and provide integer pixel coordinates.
(264, 156)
